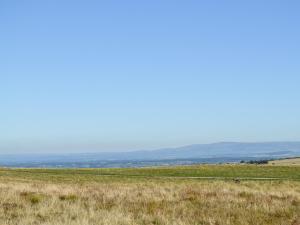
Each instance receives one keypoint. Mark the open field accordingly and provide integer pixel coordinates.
(201, 172)
(184, 195)
(286, 162)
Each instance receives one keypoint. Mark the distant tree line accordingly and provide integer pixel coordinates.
(263, 161)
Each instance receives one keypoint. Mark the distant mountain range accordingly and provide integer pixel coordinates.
(198, 153)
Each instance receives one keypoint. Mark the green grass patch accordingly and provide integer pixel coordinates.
(197, 171)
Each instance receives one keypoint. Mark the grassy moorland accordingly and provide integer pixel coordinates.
(205, 195)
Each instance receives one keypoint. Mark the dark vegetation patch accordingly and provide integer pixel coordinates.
(33, 197)
(70, 197)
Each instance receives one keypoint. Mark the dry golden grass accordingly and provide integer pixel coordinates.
(286, 162)
(118, 201)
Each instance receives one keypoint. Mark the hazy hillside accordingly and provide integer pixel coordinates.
(199, 153)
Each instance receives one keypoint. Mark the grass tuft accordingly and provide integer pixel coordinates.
(70, 197)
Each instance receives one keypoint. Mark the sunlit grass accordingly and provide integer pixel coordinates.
(84, 197)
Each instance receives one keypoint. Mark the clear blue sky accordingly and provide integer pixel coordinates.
(87, 76)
